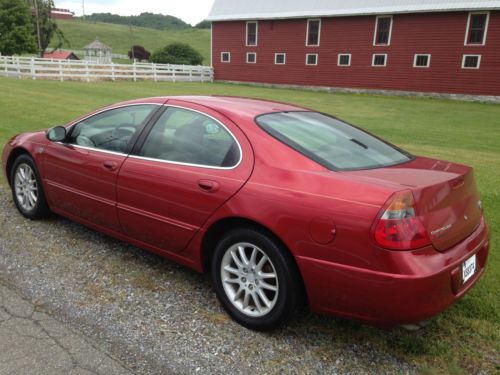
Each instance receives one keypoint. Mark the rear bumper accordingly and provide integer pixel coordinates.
(389, 299)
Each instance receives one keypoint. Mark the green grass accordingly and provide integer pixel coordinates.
(464, 339)
(120, 38)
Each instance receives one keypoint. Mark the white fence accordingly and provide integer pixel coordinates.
(71, 70)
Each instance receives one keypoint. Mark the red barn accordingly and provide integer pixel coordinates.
(62, 14)
(428, 46)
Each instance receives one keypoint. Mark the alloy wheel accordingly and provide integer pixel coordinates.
(26, 188)
(249, 279)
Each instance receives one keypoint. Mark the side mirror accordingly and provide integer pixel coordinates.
(56, 134)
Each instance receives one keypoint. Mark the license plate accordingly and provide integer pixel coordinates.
(468, 268)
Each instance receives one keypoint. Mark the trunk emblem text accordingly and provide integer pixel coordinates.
(441, 230)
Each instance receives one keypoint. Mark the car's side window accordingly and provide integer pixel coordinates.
(186, 136)
(111, 130)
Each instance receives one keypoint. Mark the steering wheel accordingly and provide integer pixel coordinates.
(124, 130)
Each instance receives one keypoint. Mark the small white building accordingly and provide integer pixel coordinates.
(98, 52)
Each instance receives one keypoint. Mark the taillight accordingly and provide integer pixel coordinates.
(399, 228)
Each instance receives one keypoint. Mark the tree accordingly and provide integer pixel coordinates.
(48, 27)
(177, 53)
(16, 30)
(139, 53)
(203, 25)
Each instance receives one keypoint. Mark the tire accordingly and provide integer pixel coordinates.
(27, 189)
(251, 282)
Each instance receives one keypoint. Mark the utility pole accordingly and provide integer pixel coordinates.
(131, 40)
(35, 3)
(83, 9)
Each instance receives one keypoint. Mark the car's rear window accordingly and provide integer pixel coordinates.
(331, 142)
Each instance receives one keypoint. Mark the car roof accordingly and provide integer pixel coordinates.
(230, 106)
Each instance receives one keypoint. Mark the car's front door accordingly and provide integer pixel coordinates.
(192, 161)
(80, 173)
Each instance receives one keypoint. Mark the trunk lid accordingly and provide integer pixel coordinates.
(446, 196)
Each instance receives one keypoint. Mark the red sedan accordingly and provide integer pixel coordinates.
(279, 203)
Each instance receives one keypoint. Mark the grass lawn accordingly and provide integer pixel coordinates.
(464, 339)
(121, 37)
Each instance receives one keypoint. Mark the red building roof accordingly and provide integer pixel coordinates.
(60, 55)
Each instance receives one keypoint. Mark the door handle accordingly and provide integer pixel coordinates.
(208, 185)
(110, 165)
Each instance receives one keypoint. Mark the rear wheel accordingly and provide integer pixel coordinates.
(255, 279)
(27, 190)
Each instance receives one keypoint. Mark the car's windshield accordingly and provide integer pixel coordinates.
(330, 142)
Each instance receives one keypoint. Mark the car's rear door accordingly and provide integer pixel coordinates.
(191, 162)
(80, 174)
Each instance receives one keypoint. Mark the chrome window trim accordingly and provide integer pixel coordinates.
(92, 149)
(191, 164)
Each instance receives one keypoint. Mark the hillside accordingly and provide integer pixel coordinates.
(120, 37)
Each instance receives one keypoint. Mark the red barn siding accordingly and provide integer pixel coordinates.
(439, 34)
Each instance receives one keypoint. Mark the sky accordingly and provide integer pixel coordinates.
(190, 11)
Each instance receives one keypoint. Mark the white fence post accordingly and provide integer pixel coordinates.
(61, 72)
(173, 74)
(112, 71)
(135, 78)
(87, 70)
(154, 73)
(18, 69)
(32, 68)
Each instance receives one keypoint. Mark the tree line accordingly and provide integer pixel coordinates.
(149, 20)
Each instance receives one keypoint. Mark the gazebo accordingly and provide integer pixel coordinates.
(97, 52)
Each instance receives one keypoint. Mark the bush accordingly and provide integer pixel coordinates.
(177, 53)
(139, 53)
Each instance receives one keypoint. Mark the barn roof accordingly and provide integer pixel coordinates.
(225, 10)
(59, 55)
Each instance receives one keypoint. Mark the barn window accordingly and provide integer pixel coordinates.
(312, 59)
(225, 57)
(279, 58)
(477, 26)
(471, 61)
(252, 33)
(313, 32)
(251, 57)
(344, 59)
(422, 61)
(383, 31)
(379, 60)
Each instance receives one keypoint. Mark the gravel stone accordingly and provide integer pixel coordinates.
(158, 317)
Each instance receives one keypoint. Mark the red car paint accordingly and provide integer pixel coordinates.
(325, 218)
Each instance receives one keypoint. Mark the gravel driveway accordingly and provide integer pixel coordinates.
(158, 317)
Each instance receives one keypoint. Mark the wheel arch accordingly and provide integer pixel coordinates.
(217, 229)
(14, 154)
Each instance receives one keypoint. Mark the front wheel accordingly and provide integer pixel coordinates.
(255, 279)
(27, 190)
